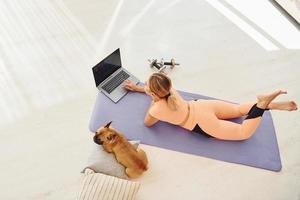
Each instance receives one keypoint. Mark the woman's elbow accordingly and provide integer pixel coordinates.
(147, 123)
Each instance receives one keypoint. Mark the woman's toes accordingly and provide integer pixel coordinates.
(294, 105)
(283, 92)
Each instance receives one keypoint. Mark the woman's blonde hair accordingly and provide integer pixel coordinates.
(161, 85)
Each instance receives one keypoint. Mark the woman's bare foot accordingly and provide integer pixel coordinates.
(264, 100)
(283, 105)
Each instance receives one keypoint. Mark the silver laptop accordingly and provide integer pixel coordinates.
(109, 76)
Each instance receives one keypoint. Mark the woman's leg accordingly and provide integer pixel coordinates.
(226, 110)
(226, 130)
(283, 105)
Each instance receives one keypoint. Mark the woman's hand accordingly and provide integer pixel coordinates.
(129, 85)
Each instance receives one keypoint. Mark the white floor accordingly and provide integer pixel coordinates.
(47, 90)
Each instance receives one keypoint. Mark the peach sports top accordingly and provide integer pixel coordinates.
(184, 116)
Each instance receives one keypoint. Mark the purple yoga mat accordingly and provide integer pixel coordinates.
(260, 151)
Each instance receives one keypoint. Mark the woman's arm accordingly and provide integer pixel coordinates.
(150, 120)
(129, 85)
(139, 88)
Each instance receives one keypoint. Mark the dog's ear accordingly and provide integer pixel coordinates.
(107, 125)
(111, 137)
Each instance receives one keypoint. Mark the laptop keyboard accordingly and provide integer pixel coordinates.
(115, 81)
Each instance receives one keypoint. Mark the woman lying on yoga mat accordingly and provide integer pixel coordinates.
(205, 116)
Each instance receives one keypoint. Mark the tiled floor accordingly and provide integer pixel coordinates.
(47, 91)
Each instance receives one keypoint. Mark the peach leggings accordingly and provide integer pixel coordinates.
(213, 113)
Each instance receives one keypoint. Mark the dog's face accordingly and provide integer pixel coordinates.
(105, 135)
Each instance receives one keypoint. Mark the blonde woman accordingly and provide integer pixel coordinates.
(206, 117)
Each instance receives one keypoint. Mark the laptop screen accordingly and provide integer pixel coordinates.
(107, 66)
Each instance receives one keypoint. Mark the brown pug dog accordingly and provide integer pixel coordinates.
(134, 160)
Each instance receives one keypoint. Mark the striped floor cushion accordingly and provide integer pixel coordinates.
(96, 186)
